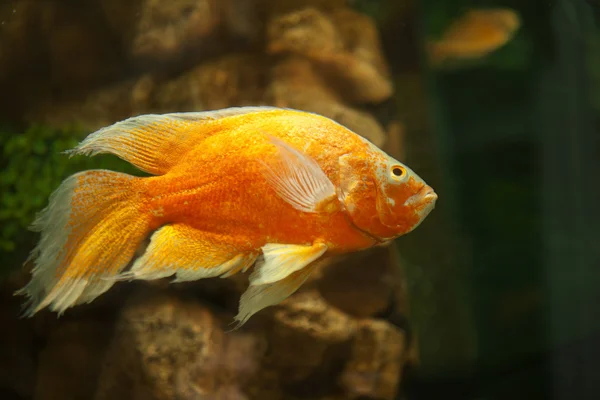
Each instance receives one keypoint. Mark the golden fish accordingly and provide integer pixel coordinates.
(278, 187)
(476, 34)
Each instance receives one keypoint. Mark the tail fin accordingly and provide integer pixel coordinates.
(89, 232)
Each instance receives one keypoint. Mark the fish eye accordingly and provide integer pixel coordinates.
(398, 171)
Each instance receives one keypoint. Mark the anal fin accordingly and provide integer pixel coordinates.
(189, 254)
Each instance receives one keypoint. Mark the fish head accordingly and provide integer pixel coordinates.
(383, 196)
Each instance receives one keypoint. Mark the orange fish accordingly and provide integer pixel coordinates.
(476, 34)
(278, 187)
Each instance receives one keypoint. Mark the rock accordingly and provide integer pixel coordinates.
(52, 49)
(228, 81)
(234, 80)
(39, 326)
(316, 351)
(361, 68)
(70, 362)
(308, 341)
(168, 348)
(167, 344)
(411, 99)
(375, 363)
(296, 84)
(308, 32)
(80, 52)
(169, 341)
(362, 285)
(99, 108)
(155, 32)
(17, 355)
(121, 16)
(243, 22)
(300, 82)
(221, 374)
(308, 315)
(344, 45)
(394, 145)
(17, 21)
(222, 293)
(275, 7)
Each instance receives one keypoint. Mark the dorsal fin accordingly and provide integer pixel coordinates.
(155, 142)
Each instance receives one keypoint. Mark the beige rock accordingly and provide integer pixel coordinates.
(228, 81)
(234, 80)
(394, 145)
(168, 348)
(16, 21)
(17, 358)
(243, 22)
(296, 84)
(316, 351)
(275, 7)
(308, 32)
(375, 363)
(51, 47)
(121, 16)
(344, 45)
(164, 31)
(70, 362)
(168, 343)
(361, 284)
(307, 339)
(80, 53)
(307, 313)
(362, 68)
(99, 108)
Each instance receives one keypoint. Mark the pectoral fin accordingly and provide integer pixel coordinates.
(299, 180)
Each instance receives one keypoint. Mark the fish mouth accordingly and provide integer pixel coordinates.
(428, 194)
(423, 202)
(426, 197)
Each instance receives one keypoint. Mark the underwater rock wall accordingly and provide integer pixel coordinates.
(110, 60)
(160, 341)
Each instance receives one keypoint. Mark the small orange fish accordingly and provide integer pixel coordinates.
(278, 187)
(476, 34)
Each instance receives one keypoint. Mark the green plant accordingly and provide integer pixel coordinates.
(32, 167)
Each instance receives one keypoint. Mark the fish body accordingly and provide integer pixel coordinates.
(274, 187)
(219, 185)
(476, 34)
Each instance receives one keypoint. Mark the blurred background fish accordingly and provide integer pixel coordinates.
(475, 34)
